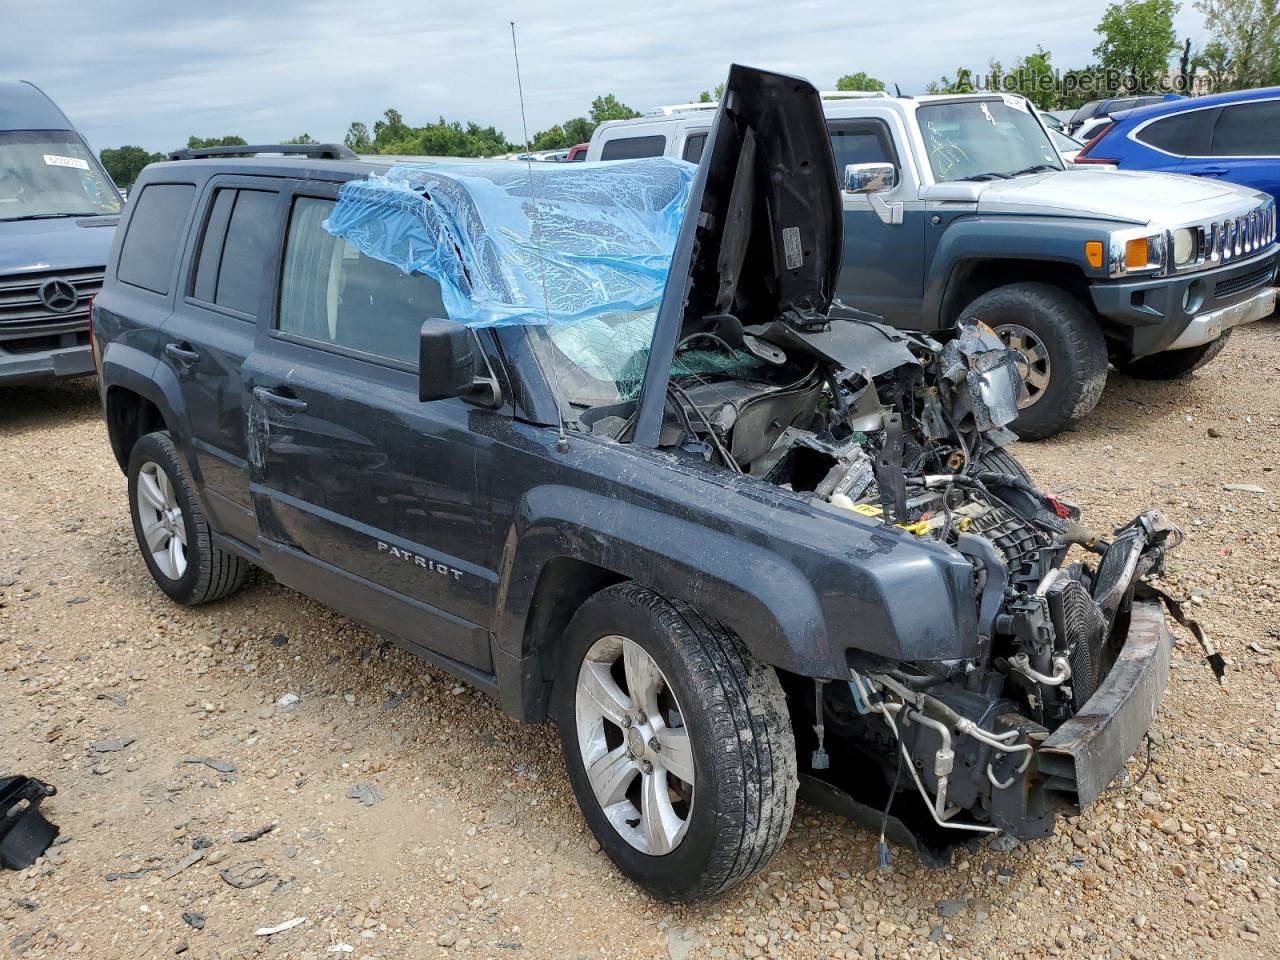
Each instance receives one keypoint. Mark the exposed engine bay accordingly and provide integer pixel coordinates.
(904, 431)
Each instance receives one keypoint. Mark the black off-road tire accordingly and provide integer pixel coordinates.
(1076, 349)
(736, 716)
(999, 460)
(211, 572)
(1173, 364)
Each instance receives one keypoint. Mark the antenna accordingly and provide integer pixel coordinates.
(563, 445)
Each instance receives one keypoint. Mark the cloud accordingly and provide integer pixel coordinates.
(146, 72)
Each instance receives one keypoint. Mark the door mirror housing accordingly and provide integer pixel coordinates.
(451, 364)
(870, 177)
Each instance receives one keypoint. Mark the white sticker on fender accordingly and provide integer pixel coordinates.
(53, 160)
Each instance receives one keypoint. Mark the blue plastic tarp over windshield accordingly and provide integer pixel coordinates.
(508, 245)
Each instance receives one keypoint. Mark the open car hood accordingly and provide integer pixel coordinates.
(763, 236)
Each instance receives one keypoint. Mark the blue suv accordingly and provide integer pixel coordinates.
(1228, 136)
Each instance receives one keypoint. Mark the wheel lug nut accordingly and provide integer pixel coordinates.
(626, 721)
(641, 718)
(646, 766)
(654, 745)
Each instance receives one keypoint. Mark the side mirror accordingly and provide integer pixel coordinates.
(450, 363)
(870, 177)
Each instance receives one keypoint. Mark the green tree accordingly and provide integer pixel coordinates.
(552, 139)
(390, 129)
(125, 163)
(301, 138)
(448, 139)
(859, 81)
(358, 139)
(1215, 61)
(609, 107)
(1137, 40)
(196, 143)
(963, 83)
(1250, 31)
(578, 130)
(707, 96)
(1033, 77)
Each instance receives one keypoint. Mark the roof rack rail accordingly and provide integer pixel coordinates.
(312, 151)
(674, 108)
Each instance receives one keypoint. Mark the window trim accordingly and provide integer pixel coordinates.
(191, 256)
(316, 191)
(1133, 134)
(184, 231)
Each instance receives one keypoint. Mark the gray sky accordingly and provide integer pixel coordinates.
(138, 71)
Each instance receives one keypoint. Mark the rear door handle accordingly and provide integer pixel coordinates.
(182, 354)
(292, 404)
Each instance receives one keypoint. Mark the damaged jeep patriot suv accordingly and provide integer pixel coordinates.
(645, 480)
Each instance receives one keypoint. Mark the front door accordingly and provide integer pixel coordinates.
(1245, 148)
(212, 331)
(366, 498)
(883, 268)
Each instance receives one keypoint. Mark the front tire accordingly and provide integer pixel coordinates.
(1173, 364)
(172, 532)
(1062, 353)
(677, 742)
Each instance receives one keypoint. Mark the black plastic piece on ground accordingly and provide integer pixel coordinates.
(24, 832)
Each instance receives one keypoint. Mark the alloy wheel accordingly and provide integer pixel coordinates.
(163, 527)
(634, 745)
(1032, 360)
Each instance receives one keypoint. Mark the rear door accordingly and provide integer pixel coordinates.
(211, 332)
(366, 498)
(1245, 148)
(883, 269)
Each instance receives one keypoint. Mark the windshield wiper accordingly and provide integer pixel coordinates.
(57, 216)
(987, 176)
(1034, 168)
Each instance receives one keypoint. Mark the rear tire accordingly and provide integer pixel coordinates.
(1173, 364)
(723, 775)
(172, 532)
(1063, 356)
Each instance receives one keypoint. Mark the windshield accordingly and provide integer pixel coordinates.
(984, 140)
(51, 173)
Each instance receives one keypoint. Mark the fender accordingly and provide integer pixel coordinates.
(764, 599)
(132, 369)
(1005, 237)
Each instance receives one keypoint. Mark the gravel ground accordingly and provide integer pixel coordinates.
(463, 836)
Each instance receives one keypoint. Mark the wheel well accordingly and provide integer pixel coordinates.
(130, 416)
(973, 278)
(563, 586)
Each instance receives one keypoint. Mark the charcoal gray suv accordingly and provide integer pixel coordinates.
(647, 481)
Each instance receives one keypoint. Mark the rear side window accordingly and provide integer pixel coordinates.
(1184, 134)
(632, 148)
(861, 142)
(238, 243)
(333, 295)
(155, 234)
(1248, 130)
(693, 147)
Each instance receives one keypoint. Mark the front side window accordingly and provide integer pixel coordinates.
(333, 295)
(51, 173)
(155, 235)
(984, 140)
(1248, 130)
(864, 142)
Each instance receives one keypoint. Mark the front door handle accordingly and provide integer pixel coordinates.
(1214, 171)
(292, 404)
(183, 354)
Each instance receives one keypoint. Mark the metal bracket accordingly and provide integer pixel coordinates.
(889, 212)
